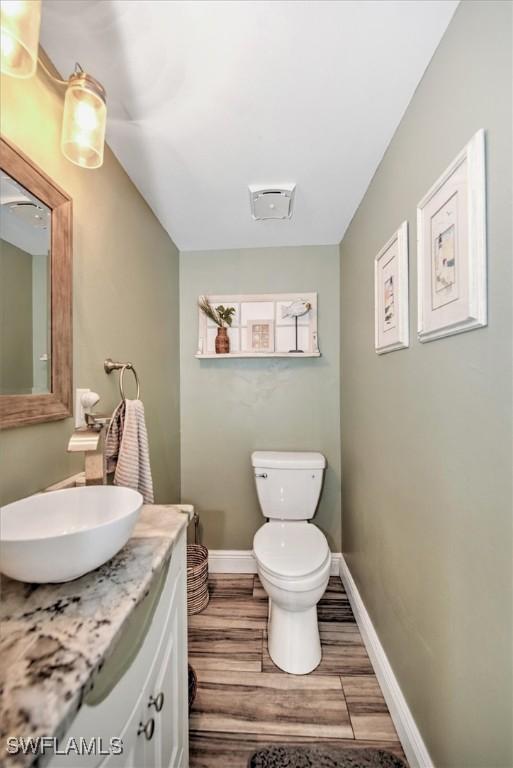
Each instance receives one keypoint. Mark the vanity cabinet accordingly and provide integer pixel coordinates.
(146, 704)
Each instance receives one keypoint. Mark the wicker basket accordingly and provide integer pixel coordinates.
(193, 685)
(197, 578)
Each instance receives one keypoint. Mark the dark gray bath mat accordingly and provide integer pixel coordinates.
(315, 757)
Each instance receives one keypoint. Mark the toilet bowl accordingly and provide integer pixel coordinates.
(292, 555)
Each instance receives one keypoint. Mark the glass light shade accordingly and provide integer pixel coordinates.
(84, 121)
(19, 30)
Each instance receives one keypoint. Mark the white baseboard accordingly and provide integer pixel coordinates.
(409, 735)
(231, 561)
(243, 561)
(336, 559)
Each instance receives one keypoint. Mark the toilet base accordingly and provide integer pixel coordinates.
(293, 639)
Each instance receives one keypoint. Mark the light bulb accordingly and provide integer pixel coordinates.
(19, 41)
(13, 8)
(8, 46)
(85, 116)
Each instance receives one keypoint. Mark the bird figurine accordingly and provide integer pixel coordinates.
(296, 309)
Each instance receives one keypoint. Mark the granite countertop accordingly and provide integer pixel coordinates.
(54, 638)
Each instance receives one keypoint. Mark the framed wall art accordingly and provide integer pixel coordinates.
(261, 335)
(451, 247)
(391, 319)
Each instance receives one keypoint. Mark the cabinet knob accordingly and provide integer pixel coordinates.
(157, 701)
(148, 729)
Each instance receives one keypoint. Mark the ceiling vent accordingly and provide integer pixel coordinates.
(10, 192)
(272, 202)
(31, 214)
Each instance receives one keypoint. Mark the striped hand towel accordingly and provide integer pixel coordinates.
(133, 467)
(113, 439)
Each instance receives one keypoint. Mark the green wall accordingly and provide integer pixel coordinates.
(16, 366)
(125, 278)
(427, 432)
(231, 407)
(41, 322)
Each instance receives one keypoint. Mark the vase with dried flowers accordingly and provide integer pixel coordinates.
(223, 317)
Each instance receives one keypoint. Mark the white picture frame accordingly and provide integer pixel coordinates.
(391, 316)
(451, 247)
(260, 335)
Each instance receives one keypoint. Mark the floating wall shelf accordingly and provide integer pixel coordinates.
(214, 355)
(262, 309)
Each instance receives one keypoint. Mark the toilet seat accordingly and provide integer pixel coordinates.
(296, 584)
(290, 550)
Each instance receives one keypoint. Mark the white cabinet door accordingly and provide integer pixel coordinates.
(169, 745)
(165, 732)
(160, 666)
(136, 747)
(170, 687)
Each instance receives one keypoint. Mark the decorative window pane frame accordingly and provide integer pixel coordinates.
(249, 307)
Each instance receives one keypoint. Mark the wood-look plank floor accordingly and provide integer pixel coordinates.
(245, 701)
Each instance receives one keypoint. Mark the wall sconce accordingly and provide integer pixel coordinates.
(84, 120)
(19, 21)
(85, 103)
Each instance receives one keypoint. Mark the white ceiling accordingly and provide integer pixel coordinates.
(207, 97)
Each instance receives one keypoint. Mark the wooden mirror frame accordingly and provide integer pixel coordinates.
(17, 410)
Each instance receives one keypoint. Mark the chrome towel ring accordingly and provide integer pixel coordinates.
(109, 365)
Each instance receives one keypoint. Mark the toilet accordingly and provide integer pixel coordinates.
(292, 554)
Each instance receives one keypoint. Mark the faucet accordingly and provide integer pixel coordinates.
(90, 440)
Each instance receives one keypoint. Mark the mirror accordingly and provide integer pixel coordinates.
(35, 293)
(25, 333)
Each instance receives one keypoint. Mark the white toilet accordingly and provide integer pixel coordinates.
(292, 554)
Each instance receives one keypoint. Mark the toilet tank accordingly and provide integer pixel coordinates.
(288, 483)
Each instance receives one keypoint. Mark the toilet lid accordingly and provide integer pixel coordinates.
(290, 549)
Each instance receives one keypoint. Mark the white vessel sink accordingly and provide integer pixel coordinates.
(61, 535)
